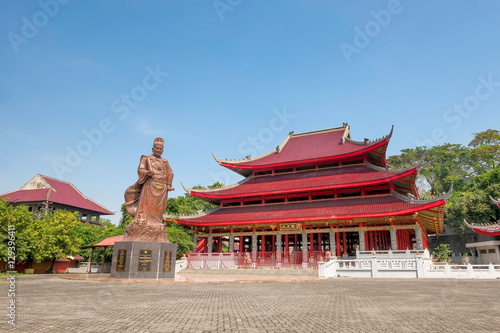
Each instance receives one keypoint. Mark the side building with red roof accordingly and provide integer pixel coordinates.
(318, 193)
(487, 247)
(44, 193)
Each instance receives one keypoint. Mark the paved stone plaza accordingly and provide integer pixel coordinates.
(52, 304)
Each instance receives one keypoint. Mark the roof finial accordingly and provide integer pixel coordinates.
(278, 149)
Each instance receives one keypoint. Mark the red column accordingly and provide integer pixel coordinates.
(219, 244)
(295, 241)
(344, 239)
(425, 243)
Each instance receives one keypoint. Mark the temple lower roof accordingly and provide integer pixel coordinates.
(430, 212)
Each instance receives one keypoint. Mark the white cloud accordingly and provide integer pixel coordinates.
(143, 127)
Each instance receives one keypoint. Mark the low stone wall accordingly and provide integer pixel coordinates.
(418, 267)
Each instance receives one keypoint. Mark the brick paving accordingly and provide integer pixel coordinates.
(52, 304)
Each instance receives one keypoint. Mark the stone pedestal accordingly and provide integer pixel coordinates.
(143, 260)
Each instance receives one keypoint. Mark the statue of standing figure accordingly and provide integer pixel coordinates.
(146, 200)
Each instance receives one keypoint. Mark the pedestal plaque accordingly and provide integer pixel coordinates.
(143, 260)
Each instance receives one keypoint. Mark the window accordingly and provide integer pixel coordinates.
(328, 165)
(309, 167)
(491, 251)
(262, 173)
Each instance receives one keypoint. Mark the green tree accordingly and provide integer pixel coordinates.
(126, 218)
(486, 150)
(59, 237)
(442, 165)
(180, 236)
(442, 252)
(472, 202)
(27, 230)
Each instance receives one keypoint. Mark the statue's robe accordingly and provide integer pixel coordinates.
(146, 200)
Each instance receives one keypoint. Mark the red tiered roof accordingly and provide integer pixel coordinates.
(58, 192)
(313, 180)
(323, 146)
(348, 208)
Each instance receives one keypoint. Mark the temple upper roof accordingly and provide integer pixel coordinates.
(321, 146)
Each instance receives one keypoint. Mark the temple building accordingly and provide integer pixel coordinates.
(487, 247)
(318, 193)
(42, 194)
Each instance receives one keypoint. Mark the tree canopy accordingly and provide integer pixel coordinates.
(474, 170)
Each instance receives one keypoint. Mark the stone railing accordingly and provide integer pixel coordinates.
(418, 267)
(391, 254)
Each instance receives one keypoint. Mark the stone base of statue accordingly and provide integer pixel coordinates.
(143, 260)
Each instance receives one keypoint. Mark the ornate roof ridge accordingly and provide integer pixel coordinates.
(345, 127)
(496, 202)
(412, 199)
(388, 168)
(485, 225)
(208, 190)
(192, 216)
(369, 142)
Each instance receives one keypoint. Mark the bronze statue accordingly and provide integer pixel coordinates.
(146, 200)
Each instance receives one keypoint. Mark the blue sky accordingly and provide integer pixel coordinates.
(86, 86)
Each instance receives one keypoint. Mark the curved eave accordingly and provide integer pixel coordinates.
(213, 196)
(496, 202)
(371, 142)
(246, 170)
(443, 197)
(409, 211)
(490, 230)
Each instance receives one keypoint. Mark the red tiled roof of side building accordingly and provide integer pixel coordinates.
(315, 145)
(27, 195)
(60, 192)
(66, 193)
(356, 175)
(376, 206)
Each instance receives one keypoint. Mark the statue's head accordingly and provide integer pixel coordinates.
(158, 147)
